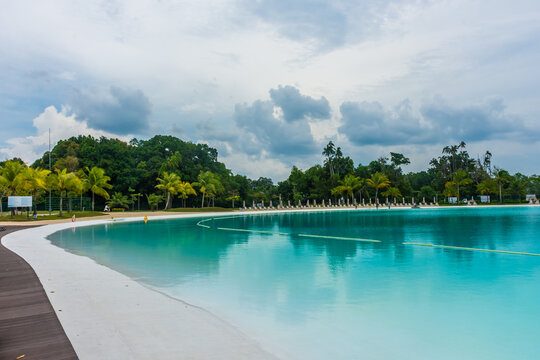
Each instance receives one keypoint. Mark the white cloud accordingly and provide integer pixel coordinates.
(256, 167)
(205, 57)
(62, 125)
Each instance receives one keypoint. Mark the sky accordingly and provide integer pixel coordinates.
(269, 83)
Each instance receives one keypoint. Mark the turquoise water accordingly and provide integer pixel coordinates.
(325, 298)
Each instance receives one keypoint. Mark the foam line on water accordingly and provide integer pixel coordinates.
(204, 226)
(254, 231)
(472, 249)
(304, 235)
(338, 238)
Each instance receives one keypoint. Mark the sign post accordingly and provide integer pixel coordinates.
(20, 202)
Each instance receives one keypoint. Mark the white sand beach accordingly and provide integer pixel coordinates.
(107, 315)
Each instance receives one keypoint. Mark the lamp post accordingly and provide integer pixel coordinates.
(50, 190)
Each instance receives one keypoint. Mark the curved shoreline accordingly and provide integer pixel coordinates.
(108, 315)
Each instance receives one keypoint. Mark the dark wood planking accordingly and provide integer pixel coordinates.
(28, 324)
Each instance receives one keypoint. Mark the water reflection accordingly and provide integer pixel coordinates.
(165, 251)
(312, 288)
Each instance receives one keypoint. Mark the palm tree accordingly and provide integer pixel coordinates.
(10, 174)
(118, 200)
(348, 185)
(450, 189)
(378, 181)
(75, 187)
(185, 189)
(207, 183)
(170, 183)
(502, 177)
(134, 198)
(11, 178)
(392, 192)
(33, 181)
(3, 191)
(330, 151)
(233, 196)
(63, 182)
(96, 181)
(154, 200)
(218, 189)
(460, 179)
(486, 187)
(83, 188)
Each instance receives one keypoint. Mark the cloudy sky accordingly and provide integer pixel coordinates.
(269, 83)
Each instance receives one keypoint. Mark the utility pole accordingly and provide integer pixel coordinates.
(50, 190)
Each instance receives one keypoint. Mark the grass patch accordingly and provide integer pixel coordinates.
(22, 217)
(202, 210)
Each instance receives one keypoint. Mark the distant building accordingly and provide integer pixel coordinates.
(485, 199)
(452, 200)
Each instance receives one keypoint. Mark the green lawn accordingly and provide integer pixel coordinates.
(54, 216)
(206, 209)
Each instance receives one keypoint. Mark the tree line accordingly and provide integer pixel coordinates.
(166, 170)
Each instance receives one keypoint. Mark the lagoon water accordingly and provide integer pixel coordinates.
(327, 298)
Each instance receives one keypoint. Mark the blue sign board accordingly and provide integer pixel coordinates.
(19, 201)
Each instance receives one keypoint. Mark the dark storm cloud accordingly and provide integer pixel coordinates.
(369, 123)
(120, 112)
(271, 134)
(296, 106)
(260, 128)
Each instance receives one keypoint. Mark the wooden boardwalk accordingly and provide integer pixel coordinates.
(28, 323)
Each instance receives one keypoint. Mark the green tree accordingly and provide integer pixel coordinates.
(75, 187)
(63, 182)
(502, 177)
(170, 183)
(172, 163)
(207, 184)
(450, 189)
(154, 200)
(3, 190)
(427, 191)
(134, 197)
(378, 181)
(460, 180)
(118, 200)
(11, 175)
(330, 151)
(392, 192)
(185, 190)
(348, 185)
(33, 181)
(233, 196)
(486, 187)
(96, 182)
(518, 185)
